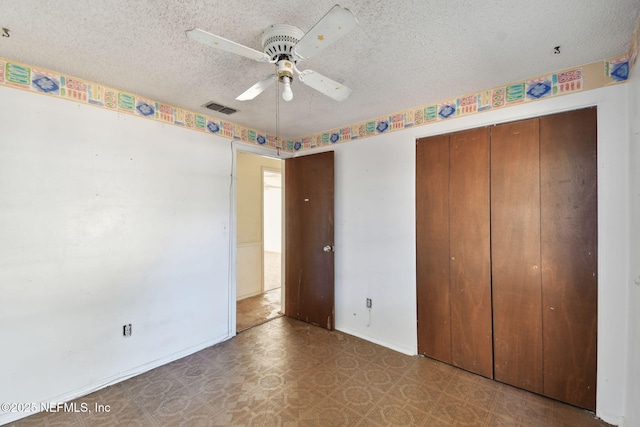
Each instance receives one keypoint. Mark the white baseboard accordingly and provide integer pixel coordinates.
(401, 349)
(613, 420)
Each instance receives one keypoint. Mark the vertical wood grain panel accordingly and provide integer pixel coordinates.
(309, 209)
(568, 168)
(515, 251)
(432, 247)
(470, 283)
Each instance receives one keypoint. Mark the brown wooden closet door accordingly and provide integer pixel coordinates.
(515, 251)
(432, 247)
(568, 195)
(470, 274)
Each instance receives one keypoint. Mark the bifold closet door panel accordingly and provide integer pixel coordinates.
(470, 260)
(432, 246)
(515, 247)
(568, 195)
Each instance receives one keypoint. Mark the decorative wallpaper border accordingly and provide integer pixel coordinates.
(34, 79)
(578, 79)
(587, 77)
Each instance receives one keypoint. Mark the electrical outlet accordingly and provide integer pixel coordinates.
(126, 330)
(369, 303)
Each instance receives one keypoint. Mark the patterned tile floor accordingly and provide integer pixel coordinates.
(288, 373)
(255, 310)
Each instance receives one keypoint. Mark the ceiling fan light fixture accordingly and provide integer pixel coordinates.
(287, 93)
(285, 74)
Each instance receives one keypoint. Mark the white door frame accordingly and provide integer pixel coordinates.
(236, 147)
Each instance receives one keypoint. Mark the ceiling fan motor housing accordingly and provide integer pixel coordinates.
(278, 41)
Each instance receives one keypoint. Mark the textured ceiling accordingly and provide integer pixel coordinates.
(403, 54)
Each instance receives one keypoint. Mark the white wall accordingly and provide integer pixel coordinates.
(632, 413)
(105, 219)
(375, 240)
(375, 232)
(272, 207)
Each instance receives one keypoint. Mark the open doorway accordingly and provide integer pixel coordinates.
(259, 239)
(272, 229)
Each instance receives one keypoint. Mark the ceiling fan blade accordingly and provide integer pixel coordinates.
(335, 24)
(257, 88)
(226, 45)
(323, 84)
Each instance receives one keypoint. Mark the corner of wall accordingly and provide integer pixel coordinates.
(632, 395)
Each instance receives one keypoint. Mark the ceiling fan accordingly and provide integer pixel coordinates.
(285, 45)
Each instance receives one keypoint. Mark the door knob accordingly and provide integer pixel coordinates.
(328, 248)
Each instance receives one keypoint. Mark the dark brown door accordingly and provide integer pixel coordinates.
(453, 251)
(470, 282)
(432, 247)
(309, 274)
(569, 243)
(515, 249)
